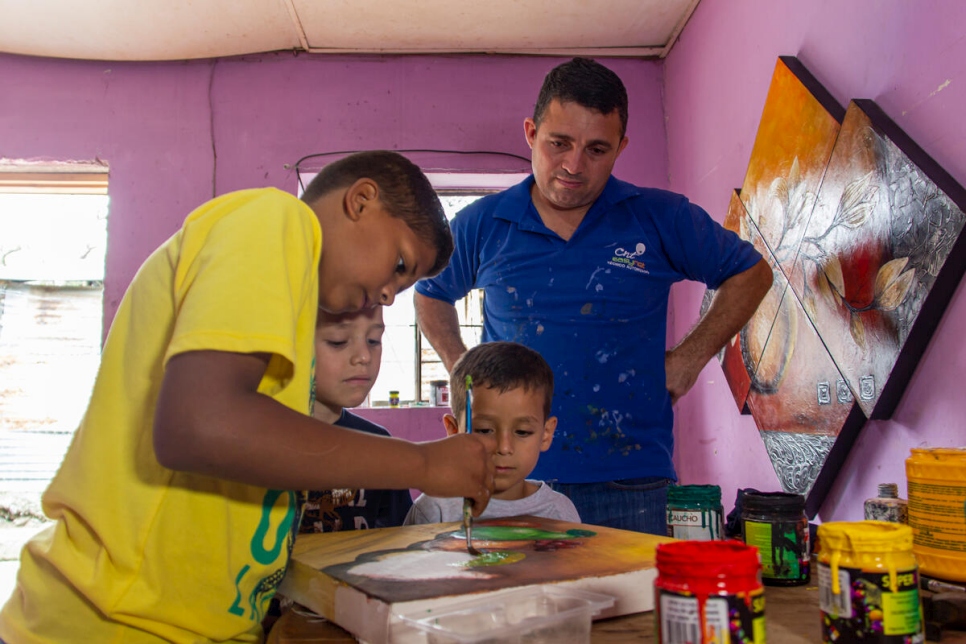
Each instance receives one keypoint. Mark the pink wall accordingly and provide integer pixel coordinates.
(911, 60)
(175, 134)
(414, 424)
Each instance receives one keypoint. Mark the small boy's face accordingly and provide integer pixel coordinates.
(348, 351)
(368, 256)
(515, 430)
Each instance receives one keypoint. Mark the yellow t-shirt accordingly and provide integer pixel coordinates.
(141, 553)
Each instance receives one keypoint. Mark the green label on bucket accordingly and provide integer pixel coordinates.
(866, 609)
(779, 548)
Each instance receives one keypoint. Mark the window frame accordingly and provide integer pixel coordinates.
(447, 183)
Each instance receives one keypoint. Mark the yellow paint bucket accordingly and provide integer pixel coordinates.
(937, 510)
(868, 583)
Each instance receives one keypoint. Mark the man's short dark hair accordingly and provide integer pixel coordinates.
(403, 189)
(587, 83)
(502, 366)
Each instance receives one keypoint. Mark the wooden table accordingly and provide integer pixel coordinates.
(791, 616)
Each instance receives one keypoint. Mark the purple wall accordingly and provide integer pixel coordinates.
(912, 61)
(174, 134)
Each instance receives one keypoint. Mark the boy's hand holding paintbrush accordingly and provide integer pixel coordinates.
(468, 503)
(475, 501)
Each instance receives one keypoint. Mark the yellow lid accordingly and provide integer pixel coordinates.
(937, 464)
(865, 536)
(861, 543)
(940, 452)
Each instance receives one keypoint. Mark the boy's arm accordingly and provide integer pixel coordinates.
(211, 420)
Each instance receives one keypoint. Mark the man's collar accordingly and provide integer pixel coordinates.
(516, 201)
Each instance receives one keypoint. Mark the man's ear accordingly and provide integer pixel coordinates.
(621, 146)
(451, 424)
(530, 130)
(549, 427)
(361, 194)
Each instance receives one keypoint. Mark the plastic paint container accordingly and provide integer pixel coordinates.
(694, 512)
(775, 523)
(868, 583)
(528, 616)
(708, 592)
(937, 511)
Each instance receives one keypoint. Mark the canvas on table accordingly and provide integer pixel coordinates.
(362, 580)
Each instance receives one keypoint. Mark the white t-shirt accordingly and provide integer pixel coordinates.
(544, 503)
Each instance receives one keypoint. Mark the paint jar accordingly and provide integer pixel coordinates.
(868, 583)
(937, 510)
(439, 393)
(694, 512)
(887, 506)
(394, 399)
(775, 523)
(708, 592)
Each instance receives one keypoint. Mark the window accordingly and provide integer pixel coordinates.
(407, 356)
(409, 362)
(53, 234)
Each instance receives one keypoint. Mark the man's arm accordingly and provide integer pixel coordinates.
(212, 420)
(735, 301)
(441, 326)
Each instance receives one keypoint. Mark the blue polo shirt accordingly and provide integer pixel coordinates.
(595, 306)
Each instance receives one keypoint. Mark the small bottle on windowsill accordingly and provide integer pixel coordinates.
(887, 506)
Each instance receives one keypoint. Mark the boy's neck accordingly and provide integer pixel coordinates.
(326, 413)
(520, 491)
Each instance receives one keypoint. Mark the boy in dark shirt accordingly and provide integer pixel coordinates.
(348, 353)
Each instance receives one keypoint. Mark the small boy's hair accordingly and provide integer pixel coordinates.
(403, 189)
(502, 366)
(587, 83)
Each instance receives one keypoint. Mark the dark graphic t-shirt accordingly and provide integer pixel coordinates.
(347, 509)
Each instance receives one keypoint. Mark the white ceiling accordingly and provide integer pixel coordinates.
(187, 29)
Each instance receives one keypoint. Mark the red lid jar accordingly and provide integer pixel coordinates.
(705, 589)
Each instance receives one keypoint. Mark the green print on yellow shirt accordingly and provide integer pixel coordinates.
(260, 597)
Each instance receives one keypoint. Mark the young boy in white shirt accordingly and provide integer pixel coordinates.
(512, 392)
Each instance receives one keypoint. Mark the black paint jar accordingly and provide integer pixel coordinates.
(776, 524)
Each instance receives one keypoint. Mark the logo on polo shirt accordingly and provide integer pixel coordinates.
(627, 259)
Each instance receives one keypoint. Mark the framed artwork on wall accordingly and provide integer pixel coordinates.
(863, 232)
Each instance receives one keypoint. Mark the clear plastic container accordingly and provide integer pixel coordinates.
(539, 615)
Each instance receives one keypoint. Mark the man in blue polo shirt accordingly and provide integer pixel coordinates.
(578, 265)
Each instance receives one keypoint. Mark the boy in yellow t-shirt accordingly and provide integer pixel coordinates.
(174, 507)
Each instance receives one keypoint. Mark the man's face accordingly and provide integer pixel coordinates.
(574, 151)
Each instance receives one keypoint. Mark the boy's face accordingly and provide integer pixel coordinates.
(368, 256)
(348, 350)
(515, 430)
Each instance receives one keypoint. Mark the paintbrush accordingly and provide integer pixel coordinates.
(468, 503)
